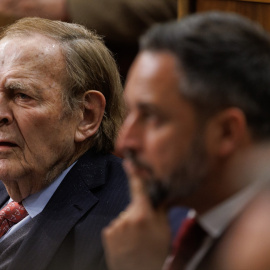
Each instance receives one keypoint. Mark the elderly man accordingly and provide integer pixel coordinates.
(60, 109)
(197, 134)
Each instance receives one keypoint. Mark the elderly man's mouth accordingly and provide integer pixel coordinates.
(7, 144)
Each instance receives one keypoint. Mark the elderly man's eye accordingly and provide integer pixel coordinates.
(22, 96)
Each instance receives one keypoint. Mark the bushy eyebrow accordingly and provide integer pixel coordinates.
(15, 86)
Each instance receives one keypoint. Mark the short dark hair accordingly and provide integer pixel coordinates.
(225, 60)
(89, 66)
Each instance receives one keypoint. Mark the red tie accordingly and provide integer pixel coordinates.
(11, 214)
(187, 242)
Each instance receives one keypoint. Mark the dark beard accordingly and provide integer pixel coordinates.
(183, 181)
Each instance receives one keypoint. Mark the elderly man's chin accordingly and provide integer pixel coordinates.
(11, 171)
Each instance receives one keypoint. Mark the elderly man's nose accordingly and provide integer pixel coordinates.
(5, 112)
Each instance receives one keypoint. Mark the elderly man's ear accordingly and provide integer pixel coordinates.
(94, 107)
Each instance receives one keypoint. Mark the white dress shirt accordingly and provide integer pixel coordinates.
(35, 203)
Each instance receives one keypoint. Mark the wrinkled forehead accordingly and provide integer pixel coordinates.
(34, 47)
(33, 53)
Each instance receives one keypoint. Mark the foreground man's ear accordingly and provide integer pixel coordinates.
(227, 131)
(94, 106)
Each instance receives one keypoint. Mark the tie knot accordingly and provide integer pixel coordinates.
(13, 212)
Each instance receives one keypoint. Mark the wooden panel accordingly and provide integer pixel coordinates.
(258, 1)
(184, 5)
(256, 11)
(183, 8)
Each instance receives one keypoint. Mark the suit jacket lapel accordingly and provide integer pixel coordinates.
(3, 194)
(70, 202)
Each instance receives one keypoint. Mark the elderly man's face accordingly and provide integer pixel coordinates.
(36, 137)
(159, 137)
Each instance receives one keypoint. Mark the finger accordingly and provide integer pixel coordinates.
(137, 190)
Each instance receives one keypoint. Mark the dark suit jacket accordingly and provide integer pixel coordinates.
(67, 233)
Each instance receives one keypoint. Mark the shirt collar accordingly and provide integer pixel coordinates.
(217, 220)
(35, 203)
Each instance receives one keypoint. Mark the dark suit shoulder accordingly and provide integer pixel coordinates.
(69, 228)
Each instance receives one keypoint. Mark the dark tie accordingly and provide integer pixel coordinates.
(11, 214)
(188, 240)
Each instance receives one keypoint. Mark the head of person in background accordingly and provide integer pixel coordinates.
(60, 96)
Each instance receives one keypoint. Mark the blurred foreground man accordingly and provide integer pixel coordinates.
(197, 134)
(60, 109)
